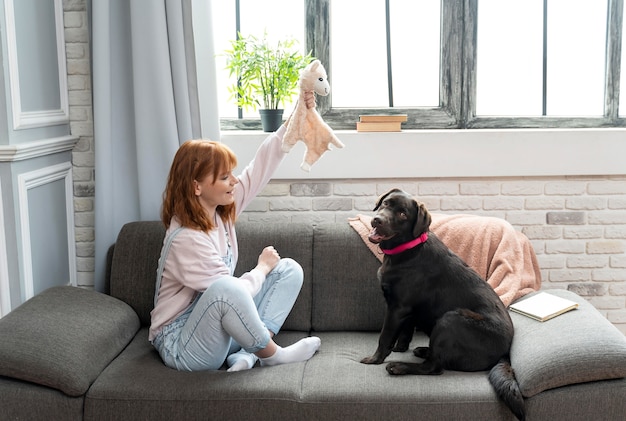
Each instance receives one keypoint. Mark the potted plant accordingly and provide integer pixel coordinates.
(267, 75)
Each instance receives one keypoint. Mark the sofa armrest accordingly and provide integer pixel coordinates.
(576, 347)
(64, 337)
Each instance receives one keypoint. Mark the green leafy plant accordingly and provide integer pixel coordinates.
(267, 75)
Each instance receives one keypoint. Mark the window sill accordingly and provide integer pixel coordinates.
(453, 153)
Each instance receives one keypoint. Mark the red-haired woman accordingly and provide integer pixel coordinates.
(203, 314)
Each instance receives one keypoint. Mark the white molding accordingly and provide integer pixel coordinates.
(28, 181)
(452, 154)
(5, 286)
(42, 118)
(34, 149)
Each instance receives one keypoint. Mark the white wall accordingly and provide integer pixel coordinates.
(564, 189)
(455, 153)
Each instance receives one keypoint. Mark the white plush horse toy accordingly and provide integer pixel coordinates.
(306, 124)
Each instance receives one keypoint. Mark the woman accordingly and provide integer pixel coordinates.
(204, 315)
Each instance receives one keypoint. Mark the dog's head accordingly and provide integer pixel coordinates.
(399, 218)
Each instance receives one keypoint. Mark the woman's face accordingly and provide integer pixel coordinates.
(216, 192)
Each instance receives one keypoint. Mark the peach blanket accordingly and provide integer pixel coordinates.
(491, 246)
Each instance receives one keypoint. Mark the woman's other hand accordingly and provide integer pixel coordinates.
(309, 99)
(268, 259)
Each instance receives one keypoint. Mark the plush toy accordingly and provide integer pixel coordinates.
(306, 124)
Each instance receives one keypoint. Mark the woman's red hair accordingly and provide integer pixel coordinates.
(195, 160)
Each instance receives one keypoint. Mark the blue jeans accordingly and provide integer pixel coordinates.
(225, 318)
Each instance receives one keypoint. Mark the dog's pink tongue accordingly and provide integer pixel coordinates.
(375, 237)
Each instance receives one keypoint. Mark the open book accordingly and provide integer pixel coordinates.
(543, 306)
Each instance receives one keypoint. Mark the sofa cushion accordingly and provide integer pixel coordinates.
(597, 401)
(336, 386)
(138, 386)
(21, 400)
(294, 240)
(346, 290)
(576, 347)
(64, 337)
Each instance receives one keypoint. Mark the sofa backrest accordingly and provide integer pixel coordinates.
(133, 266)
(340, 290)
(134, 259)
(346, 290)
(294, 240)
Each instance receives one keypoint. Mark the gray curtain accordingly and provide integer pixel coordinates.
(145, 105)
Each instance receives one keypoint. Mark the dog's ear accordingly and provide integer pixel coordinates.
(381, 198)
(423, 220)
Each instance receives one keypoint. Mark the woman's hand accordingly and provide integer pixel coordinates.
(309, 99)
(268, 259)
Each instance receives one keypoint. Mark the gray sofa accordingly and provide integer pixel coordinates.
(70, 353)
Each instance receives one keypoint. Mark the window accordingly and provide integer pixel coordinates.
(537, 61)
(276, 17)
(509, 72)
(375, 71)
(450, 63)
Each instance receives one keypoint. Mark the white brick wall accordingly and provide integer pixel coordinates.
(581, 246)
(81, 116)
(577, 226)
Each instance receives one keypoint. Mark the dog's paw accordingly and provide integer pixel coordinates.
(372, 360)
(421, 352)
(397, 368)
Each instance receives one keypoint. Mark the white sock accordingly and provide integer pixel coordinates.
(300, 351)
(241, 360)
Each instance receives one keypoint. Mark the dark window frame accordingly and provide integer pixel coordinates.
(457, 87)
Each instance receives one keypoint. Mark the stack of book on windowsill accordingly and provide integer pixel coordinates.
(380, 122)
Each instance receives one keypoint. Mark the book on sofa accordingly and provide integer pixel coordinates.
(543, 306)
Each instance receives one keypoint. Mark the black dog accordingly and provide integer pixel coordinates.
(428, 287)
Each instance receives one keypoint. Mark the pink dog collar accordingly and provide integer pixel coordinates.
(406, 246)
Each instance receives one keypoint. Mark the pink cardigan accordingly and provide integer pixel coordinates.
(195, 261)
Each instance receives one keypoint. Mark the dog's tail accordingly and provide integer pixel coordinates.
(502, 378)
